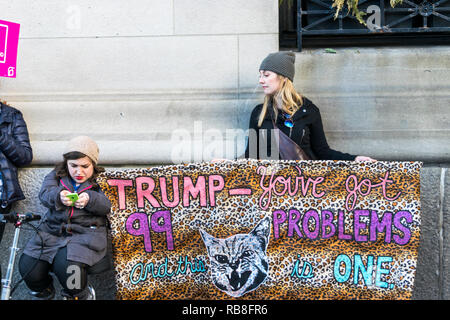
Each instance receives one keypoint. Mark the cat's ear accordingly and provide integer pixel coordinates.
(262, 232)
(207, 238)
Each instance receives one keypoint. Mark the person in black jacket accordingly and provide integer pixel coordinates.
(294, 115)
(15, 151)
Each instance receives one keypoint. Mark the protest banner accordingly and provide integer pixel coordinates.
(251, 229)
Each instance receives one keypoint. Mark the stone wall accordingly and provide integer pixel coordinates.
(130, 73)
(390, 103)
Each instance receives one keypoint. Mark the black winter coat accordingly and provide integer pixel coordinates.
(307, 133)
(15, 151)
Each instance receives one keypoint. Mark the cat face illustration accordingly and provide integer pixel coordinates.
(239, 263)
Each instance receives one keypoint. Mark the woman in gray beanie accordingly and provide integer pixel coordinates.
(295, 115)
(73, 234)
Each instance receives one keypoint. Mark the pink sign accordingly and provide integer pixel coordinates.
(9, 40)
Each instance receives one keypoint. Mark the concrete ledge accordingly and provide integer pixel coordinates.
(139, 131)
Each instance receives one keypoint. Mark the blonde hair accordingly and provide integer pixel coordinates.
(289, 98)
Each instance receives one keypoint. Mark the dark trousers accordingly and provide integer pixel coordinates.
(72, 275)
(2, 225)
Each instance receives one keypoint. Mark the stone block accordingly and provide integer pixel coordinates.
(124, 65)
(373, 70)
(368, 109)
(105, 18)
(225, 17)
(390, 145)
(136, 132)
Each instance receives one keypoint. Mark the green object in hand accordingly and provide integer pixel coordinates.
(73, 197)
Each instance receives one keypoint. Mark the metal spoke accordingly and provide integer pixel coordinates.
(315, 23)
(401, 20)
(437, 14)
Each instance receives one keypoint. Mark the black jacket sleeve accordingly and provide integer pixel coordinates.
(17, 147)
(98, 203)
(50, 190)
(251, 151)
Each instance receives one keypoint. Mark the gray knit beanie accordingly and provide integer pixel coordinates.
(281, 63)
(84, 145)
